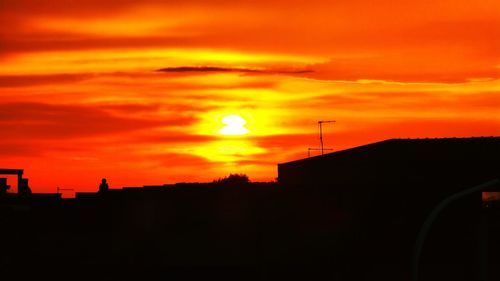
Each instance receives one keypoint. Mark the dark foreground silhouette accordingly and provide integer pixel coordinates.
(103, 187)
(363, 227)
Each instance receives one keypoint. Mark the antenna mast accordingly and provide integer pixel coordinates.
(312, 148)
(320, 124)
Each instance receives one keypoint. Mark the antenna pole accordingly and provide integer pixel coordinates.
(320, 123)
(311, 148)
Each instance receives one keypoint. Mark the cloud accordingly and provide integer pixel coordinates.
(205, 69)
(172, 137)
(415, 128)
(64, 7)
(198, 69)
(141, 100)
(286, 141)
(48, 121)
(130, 107)
(186, 160)
(363, 41)
(59, 41)
(34, 80)
(18, 148)
(409, 67)
(398, 102)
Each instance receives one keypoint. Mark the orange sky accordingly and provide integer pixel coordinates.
(135, 91)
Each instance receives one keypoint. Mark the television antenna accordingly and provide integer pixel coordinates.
(320, 125)
(311, 148)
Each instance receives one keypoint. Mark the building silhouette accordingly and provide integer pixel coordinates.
(444, 162)
(347, 215)
(390, 187)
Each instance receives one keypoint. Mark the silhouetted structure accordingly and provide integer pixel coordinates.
(24, 189)
(358, 222)
(17, 172)
(103, 187)
(389, 187)
(447, 162)
(4, 187)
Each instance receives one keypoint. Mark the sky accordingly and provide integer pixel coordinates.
(139, 92)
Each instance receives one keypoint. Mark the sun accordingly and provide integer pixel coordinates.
(234, 125)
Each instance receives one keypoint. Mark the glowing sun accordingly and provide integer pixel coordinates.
(234, 126)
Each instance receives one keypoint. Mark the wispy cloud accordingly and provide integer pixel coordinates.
(33, 80)
(216, 69)
(49, 121)
(136, 90)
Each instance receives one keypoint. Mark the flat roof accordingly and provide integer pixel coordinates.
(396, 141)
(11, 171)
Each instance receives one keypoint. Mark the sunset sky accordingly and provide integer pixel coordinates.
(136, 91)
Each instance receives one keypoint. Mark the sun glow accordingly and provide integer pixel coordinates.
(234, 126)
(227, 150)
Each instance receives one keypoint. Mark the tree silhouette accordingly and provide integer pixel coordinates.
(233, 179)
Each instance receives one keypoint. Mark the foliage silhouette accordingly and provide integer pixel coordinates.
(233, 179)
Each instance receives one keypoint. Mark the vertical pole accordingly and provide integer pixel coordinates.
(19, 179)
(321, 135)
(320, 124)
